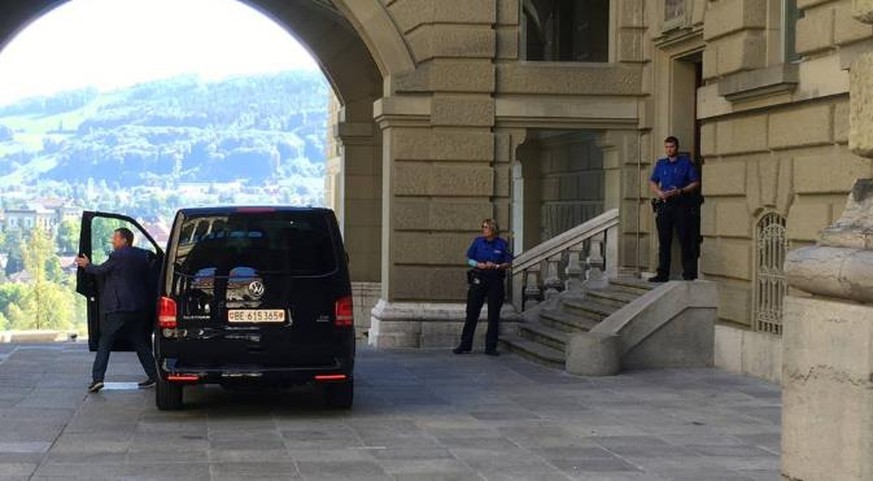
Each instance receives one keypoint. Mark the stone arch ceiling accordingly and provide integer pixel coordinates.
(354, 41)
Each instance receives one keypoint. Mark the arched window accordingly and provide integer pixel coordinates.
(770, 283)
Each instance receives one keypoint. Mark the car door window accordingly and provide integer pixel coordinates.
(102, 230)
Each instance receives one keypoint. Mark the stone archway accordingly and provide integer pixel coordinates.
(433, 97)
(358, 47)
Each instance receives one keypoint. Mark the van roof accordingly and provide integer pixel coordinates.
(232, 209)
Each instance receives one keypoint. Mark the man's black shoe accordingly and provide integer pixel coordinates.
(146, 384)
(689, 278)
(95, 386)
(659, 279)
(460, 350)
(492, 352)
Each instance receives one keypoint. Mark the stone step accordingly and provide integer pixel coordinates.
(587, 308)
(540, 333)
(632, 285)
(566, 322)
(611, 297)
(532, 350)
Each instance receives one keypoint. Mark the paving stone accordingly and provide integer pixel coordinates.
(248, 471)
(339, 455)
(419, 415)
(583, 466)
(343, 469)
(437, 476)
(10, 470)
(444, 465)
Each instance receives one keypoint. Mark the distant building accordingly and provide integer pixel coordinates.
(21, 277)
(67, 264)
(29, 216)
(47, 214)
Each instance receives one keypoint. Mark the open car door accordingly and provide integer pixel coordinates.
(95, 242)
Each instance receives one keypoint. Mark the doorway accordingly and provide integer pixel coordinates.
(686, 79)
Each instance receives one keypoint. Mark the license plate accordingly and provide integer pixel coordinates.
(256, 315)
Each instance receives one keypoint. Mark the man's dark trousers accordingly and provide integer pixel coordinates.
(128, 325)
(676, 213)
(491, 289)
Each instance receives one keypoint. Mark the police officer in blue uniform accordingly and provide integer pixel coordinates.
(489, 258)
(674, 182)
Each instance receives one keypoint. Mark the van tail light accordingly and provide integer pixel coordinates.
(330, 377)
(166, 313)
(344, 312)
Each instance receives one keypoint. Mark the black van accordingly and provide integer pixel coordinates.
(245, 296)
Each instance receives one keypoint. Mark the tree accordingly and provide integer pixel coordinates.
(50, 305)
(17, 318)
(101, 234)
(68, 236)
(15, 260)
(12, 297)
(53, 270)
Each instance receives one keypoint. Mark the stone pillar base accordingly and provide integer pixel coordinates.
(827, 413)
(365, 295)
(413, 324)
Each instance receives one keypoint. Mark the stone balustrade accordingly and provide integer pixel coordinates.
(583, 256)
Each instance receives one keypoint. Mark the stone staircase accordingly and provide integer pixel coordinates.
(543, 336)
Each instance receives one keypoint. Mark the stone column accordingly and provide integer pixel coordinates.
(441, 171)
(828, 338)
(361, 199)
(438, 185)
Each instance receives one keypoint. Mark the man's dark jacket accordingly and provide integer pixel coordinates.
(125, 281)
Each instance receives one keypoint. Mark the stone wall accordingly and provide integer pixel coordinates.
(773, 135)
(566, 182)
(791, 159)
(741, 351)
(572, 179)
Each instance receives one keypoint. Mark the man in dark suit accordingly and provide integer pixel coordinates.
(123, 302)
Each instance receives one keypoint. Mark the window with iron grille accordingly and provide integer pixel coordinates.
(771, 285)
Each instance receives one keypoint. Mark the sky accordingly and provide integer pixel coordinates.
(116, 43)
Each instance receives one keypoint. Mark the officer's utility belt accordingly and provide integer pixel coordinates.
(477, 277)
(680, 200)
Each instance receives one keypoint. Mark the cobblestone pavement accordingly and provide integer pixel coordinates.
(419, 415)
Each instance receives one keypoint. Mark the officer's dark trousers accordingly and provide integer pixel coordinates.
(126, 325)
(677, 214)
(492, 290)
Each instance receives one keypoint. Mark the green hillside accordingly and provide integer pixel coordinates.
(259, 130)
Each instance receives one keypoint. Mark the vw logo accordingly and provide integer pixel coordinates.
(256, 289)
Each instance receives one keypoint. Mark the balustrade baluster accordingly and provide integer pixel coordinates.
(553, 283)
(611, 252)
(595, 278)
(575, 271)
(532, 293)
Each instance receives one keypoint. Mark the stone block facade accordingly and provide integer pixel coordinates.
(443, 116)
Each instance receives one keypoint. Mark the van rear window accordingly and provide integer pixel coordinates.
(295, 243)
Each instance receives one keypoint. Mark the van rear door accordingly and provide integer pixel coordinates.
(95, 243)
(255, 286)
